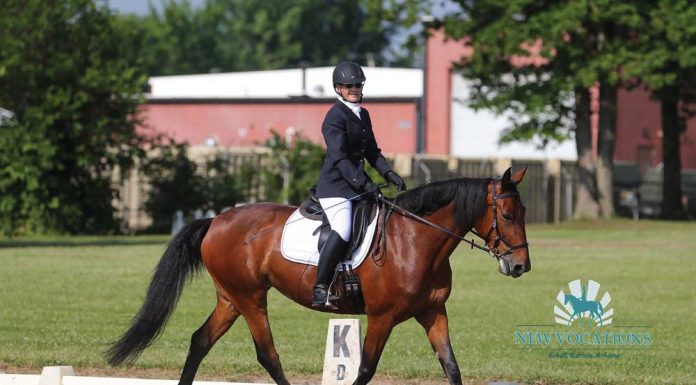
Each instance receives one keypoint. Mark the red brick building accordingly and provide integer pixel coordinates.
(241, 109)
(246, 123)
(639, 130)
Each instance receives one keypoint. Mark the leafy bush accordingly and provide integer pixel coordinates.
(174, 185)
(178, 183)
(305, 160)
(220, 186)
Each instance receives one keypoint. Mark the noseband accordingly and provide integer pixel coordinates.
(495, 227)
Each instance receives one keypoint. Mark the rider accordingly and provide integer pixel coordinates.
(349, 139)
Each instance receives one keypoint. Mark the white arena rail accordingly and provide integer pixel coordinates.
(341, 364)
(65, 375)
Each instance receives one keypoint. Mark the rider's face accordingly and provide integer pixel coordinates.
(352, 94)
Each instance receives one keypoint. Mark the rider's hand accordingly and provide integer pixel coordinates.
(396, 180)
(370, 187)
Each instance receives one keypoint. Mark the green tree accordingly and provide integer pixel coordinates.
(223, 36)
(663, 58)
(580, 44)
(74, 98)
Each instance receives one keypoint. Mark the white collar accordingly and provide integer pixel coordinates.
(355, 107)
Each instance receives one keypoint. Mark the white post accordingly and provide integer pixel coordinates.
(553, 168)
(343, 351)
(53, 375)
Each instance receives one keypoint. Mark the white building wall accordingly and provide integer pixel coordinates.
(475, 134)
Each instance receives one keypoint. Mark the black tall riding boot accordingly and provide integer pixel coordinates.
(335, 248)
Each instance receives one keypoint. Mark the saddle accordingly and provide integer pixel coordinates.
(346, 288)
(364, 212)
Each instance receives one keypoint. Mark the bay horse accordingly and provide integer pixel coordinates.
(413, 279)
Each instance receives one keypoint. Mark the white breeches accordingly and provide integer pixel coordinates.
(339, 213)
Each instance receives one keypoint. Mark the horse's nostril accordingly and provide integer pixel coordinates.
(518, 269)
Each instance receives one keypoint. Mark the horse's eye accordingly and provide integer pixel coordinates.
(507, 217)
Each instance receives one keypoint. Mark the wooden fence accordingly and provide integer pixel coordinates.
(547, 190)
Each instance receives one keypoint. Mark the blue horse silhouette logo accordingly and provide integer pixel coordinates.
(582, 302)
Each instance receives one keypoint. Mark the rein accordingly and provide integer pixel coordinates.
(407, 213)
(494, 227)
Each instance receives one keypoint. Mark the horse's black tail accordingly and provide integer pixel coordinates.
(180, 261)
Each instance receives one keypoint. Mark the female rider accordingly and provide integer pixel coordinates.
(349, 139)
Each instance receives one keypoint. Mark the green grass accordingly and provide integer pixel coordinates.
(63, 299)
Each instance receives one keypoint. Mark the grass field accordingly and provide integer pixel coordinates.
(63, 299)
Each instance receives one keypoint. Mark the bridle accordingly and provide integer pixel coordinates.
(494, 252)
(495, 227)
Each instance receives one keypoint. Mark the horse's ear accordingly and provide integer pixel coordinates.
(505, 180)
(519, 175)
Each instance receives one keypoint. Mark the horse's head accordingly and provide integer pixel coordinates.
(502, 227)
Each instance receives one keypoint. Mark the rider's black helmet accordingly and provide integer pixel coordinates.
(348, 73)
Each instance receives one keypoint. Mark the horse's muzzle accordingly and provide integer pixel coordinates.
(512, 268)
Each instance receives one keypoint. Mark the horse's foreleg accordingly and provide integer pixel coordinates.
(257, 319)
(378, 331)
(205, 337)
(434, 321)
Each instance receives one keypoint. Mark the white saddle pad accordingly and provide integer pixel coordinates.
(299, 245)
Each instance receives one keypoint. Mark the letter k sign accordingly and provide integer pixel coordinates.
(340, 341)
(342, 353)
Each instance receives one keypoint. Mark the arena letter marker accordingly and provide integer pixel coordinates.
(343, 351)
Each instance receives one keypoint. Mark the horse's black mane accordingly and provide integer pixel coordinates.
(468, 194)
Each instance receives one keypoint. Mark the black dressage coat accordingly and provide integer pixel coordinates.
(349, 140)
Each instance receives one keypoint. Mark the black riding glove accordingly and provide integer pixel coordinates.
(396, 180)
(370, 187)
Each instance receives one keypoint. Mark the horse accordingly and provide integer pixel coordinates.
(412, 279)
(580, 306)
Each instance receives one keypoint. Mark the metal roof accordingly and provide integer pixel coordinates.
(287, 83)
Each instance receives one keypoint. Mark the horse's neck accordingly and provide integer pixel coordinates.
(444, 216)
(433, 243)
(482, 224)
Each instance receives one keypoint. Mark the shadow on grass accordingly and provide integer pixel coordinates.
(85, 241)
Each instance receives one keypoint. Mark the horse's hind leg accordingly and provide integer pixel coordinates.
(205, 337)
(257, 320)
